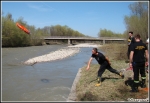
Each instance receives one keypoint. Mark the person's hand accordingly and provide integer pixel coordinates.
(87, 68)
(146, 63)
(130, 65)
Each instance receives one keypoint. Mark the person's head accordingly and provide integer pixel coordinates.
(130, 33)
(137, 37)
(94, 51)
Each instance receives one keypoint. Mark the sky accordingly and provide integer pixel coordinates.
(86, 17)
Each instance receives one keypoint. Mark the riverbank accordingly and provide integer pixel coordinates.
(113, 87)
(59, 54)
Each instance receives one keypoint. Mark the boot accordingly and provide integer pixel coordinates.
(99, 82)
(121, 74)
(143, 85)
(135, 87)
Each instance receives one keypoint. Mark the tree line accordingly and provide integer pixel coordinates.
(12, 36)
(136, 22)
(109, 33)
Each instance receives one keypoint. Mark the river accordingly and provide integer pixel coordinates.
(46, 81)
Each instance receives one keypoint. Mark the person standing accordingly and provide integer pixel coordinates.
(104, 64)
(131, 40)
(137, 61)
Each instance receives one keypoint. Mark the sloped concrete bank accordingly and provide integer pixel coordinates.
(72, 96)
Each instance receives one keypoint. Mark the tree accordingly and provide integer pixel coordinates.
(12, 36)
(138, 20)
(109, 33)
(59, 30)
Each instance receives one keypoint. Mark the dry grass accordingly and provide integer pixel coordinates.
(113, 88)
(115, 51)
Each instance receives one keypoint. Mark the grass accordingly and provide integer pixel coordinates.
(113, 87)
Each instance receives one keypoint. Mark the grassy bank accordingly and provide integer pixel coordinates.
(113, 88)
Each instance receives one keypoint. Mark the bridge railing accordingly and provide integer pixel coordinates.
(66, 37)
(82, 37)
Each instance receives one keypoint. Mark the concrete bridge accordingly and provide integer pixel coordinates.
(72, 40)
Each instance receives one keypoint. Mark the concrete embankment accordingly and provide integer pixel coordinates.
(72, 96)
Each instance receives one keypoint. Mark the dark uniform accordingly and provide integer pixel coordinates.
(138, 64)
(131, 40)
(104, 65)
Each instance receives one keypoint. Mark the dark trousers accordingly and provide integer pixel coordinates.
(139, 68)
(105, 66)
(128, 52)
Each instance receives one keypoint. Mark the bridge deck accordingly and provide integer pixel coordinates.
(83, 38)
(87, 39)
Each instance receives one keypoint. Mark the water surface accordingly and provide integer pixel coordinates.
(47, 81)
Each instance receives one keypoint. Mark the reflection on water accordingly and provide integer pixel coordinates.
(48, 81)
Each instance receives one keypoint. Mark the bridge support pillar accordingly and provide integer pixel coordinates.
(103, 42)
(68, 41)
